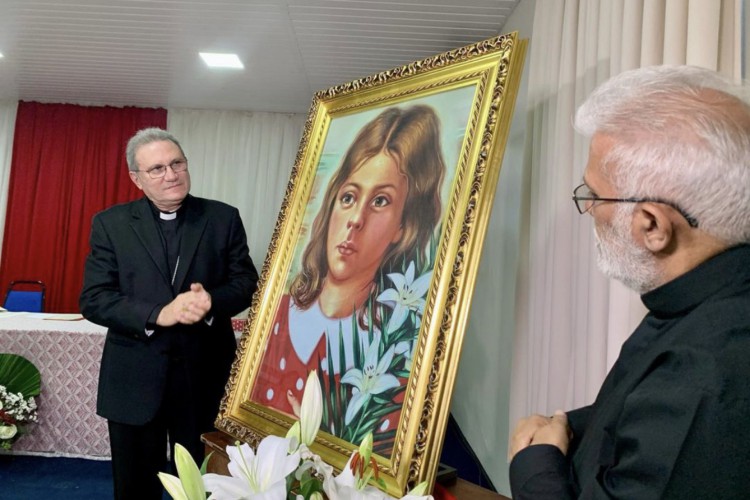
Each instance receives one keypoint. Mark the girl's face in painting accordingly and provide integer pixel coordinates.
(366, 219)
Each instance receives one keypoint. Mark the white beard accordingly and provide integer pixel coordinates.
(619, 257)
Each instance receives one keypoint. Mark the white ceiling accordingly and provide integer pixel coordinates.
(145, 52)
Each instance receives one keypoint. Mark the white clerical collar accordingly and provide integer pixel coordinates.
(168, 215)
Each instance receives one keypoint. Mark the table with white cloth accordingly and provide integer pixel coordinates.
(68, 354)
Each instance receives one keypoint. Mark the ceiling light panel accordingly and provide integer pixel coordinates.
(214, 60)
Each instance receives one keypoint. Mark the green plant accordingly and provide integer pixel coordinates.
(18, 374)
(20, 381)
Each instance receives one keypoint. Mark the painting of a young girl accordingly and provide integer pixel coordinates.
(380, 210)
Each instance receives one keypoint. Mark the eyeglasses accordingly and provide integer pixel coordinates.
(159, 171)
(585, 199)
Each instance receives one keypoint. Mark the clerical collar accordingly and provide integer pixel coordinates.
(724, 271)
(164, 215)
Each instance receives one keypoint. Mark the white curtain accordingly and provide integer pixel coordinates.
(7, 127)
(571, 321)
(242, 158)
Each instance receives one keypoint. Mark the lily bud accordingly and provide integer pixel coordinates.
(365, 447)
(311, 411)
(173, 486)
(189, 473)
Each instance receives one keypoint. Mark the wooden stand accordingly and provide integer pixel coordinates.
(217, 443)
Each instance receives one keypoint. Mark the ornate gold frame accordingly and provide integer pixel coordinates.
(493, 67)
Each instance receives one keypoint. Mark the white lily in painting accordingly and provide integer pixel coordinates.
(260, 476)
(407, 295)
(371, 380)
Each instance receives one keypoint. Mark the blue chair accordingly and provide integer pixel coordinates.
(24, 295)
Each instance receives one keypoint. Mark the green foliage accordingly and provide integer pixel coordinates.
(378, 407)
(307, 485)
(18, 374)
(204, 465)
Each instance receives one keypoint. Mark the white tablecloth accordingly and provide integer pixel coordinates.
(68, 354)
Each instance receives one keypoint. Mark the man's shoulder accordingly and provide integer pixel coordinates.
(713, 343)
(120, 210)
(209, 205)
(727, 312)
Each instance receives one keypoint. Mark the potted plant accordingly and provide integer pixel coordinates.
(20, 382)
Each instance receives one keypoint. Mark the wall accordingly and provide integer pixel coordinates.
(481, 396)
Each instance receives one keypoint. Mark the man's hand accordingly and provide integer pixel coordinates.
(538, 429)
(187, 308)
(524, 432)
(556, 433)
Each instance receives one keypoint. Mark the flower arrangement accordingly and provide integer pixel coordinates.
(19, 383)
(284, 468)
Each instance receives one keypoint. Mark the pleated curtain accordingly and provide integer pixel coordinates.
(7, 127)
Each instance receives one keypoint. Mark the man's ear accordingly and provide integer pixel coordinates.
(135, 179)
(652, 226)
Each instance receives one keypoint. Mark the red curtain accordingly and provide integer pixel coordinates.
(68, 163)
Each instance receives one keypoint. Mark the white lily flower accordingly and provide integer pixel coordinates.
(311, 411)
(293, 435)
(260, 476)
(343, 487)
(313, 461)
(173, 485)
(303, 431)
(371, 380)
(407, 295)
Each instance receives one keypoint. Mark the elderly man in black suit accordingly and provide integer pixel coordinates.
(165, 275)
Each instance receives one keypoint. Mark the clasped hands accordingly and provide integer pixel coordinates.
(187, 308)
(538, 429)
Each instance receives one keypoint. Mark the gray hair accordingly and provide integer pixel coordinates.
(147, 136)
(681, 134)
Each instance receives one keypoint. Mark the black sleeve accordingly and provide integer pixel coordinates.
(540, 472)
(234, 293)
(102, 300)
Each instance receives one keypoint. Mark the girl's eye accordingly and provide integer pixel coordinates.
(381, 201)
(347, 199)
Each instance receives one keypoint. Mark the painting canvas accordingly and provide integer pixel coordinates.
(369, 277)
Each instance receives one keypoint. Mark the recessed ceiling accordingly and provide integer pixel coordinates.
(145, 52)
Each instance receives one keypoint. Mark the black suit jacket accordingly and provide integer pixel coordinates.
(126, 280)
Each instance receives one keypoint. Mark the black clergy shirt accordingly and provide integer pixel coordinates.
(672, 418)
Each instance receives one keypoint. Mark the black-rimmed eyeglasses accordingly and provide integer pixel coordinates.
(158, 171)
(585, 199)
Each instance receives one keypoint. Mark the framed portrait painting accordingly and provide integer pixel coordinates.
(369, 276)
